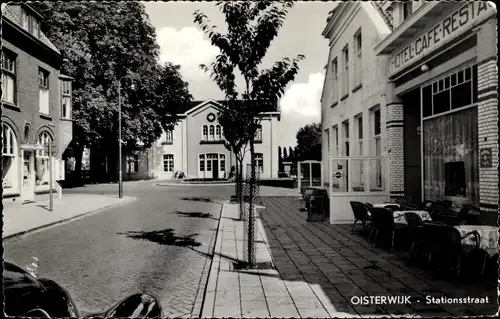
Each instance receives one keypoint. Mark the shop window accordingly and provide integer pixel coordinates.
(42, 159)
(474, 84)
(427, 101)
(454, 79)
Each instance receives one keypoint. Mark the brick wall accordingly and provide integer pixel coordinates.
(395, 147)
(488, 132)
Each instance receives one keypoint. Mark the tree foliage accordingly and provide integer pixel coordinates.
(251, 27)
(309, 143)
(102, 43)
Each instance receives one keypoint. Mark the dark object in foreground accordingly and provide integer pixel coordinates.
(29, 296)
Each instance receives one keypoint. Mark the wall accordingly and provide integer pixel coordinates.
(373, 79)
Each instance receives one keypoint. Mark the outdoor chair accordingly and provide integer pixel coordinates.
(403, 200)
(360, 212)
(445, 245)
(383, 221)
(415, 231)
(393, 207)
(425, 205)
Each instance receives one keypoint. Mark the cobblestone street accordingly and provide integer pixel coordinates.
(158, 244)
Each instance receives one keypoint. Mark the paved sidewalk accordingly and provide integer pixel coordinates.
(259, 292)
(19, 219)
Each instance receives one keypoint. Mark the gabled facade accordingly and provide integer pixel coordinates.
(353, 109)
(195, 147)
(36, 103)
(443, 82)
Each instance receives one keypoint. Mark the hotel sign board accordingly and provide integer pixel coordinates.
(453, 25)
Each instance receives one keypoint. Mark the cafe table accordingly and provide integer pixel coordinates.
(386, 205)
(488, 239)
(399, 216)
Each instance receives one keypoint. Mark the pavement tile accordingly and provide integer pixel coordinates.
(308, 302)
(253, 305)
(256, 313)
(253, 296)
(227, 311)
(286, 311)
(313, 312)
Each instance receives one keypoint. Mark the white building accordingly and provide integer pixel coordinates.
(353, 103)
(195, 147)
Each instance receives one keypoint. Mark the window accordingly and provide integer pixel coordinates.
(335, 73)
(336, 139)
(218, 133)
(451, 156)
(169, 136)
(359, 124)
(9, 151)
(345, 75)
(43, 83)
(258, 133)
(452, 92)
(259, 162)
(327, 138)
(357, 62)
(378, 146)
(133, 163)
(42, 159)
(30, 23)
(212, 133)
(168, 163)
(345, 125)
(8, 77)
(204, 136)
(407, 9)
(66, 99)
(201, 162)
(222, 159)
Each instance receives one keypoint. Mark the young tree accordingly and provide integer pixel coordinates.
(280, 159)
(309, 142)
(251, 27)
(236, 141)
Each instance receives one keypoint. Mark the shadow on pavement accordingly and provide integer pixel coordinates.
(195, 215)
(164, 237)
(340, 265)
(198, 199)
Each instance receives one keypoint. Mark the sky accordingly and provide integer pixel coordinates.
(182, 42)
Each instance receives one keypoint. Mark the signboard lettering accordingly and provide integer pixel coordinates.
(447, 28)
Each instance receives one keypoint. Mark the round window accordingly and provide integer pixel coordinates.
(211, 117)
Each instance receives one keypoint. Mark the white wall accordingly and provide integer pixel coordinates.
(356, 16)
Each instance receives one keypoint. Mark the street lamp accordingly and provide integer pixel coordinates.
(120, 164)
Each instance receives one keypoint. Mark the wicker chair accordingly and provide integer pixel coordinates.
(415, 231)
(403, 200)
(445, 244)
(383, 220)
(360, 212)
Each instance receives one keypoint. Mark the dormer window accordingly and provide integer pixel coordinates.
(30, 23)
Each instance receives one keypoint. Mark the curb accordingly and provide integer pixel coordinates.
(198, 185)
(95, 211)
(210, 274)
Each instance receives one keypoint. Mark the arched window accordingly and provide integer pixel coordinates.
(218, 133)
(42, 159)
(204, 136)
(10, 160)
(212, 133)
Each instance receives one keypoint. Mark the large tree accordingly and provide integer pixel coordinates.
(309, 143)
(102, 43)
(251, 27)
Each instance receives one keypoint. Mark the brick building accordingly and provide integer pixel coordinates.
(441, 100)
(195, 147)
(352, 102)
(36, 103)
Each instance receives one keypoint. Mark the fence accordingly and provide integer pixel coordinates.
(251, 198)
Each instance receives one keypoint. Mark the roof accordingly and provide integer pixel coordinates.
(12, 14)
(182, 109)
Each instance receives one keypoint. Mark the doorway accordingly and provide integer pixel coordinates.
(215, 168)
(412, 149)
(28, 177)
